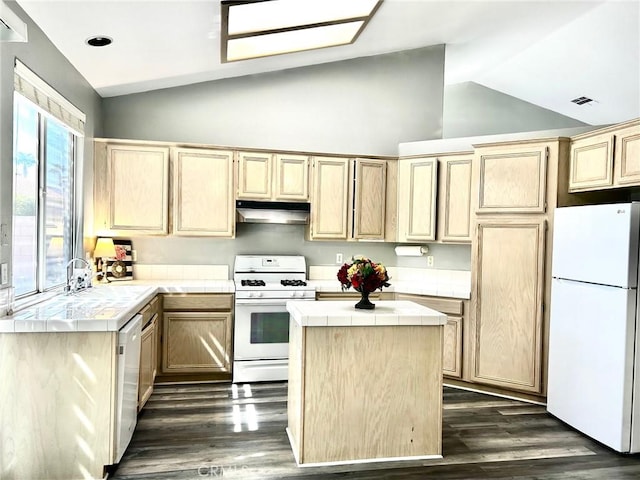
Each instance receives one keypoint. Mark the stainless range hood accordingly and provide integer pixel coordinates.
(248, 211)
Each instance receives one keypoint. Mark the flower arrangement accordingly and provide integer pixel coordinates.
(363, 275)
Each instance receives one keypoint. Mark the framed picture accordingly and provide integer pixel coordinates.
(121, 268)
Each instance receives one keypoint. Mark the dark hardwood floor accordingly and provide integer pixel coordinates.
(210, 431)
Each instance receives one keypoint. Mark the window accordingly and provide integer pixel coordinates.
(43, 199)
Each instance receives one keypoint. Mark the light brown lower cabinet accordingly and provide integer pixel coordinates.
(197, 333)
(353, 295)
(148, 350)
(148, 361)
(454, 308)
(456, 313)
(506, 333)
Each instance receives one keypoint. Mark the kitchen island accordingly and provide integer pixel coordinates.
(364, 385)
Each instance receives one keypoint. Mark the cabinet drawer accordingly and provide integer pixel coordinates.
(451, 306)
(198, 301)
(149, 310)
(351, 295)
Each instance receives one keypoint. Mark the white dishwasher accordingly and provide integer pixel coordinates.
(127, 385)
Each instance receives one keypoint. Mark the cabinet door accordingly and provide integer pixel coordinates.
(147, 363)
(508, 283)
(138, 188)
(591, 163)
(369, 198)
(203, 202)
(254, 175)
(452, 347)
(512, 179)
(627, 156)
(330, 202)
(452, 337)
(196, 342)
(291, 177)
(417, 199)
(454, 199)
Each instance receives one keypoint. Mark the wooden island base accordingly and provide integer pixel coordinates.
(364, 393)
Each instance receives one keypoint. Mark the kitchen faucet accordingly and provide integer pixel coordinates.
(80, 278)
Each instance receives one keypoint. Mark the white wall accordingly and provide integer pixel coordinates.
(471, 109)
(286, 240)
(361, 106)
(41, 56)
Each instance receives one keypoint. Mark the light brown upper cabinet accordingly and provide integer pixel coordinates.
(627, 156)
(454, 198)
(131, 187)
(606, 158)
(508, 290)
(254, 175)
(348, 200)
(511, 179)
(591, 164)
(330, 202)
(370, 180)
(417, 191)
(203, 202)
(291, 177)
(267, 176)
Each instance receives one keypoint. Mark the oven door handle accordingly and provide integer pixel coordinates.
(259, 302)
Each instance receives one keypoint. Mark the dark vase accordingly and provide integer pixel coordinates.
(364, 302)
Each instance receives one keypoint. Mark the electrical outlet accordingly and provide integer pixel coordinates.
(4, 273)
(134, 255)
(339, 258)
(430, 261)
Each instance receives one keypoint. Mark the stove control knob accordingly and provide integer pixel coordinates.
(250, 294)
(258, 294)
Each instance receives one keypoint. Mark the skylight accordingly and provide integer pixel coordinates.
(254, 29)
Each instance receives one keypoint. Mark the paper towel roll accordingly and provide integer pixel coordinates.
(411, 251)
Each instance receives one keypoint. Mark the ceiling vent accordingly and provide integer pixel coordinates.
(582, 100)
(12, 29)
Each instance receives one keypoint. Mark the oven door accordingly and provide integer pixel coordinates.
(261, 330)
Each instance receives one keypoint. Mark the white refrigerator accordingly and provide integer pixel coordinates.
(593, 382)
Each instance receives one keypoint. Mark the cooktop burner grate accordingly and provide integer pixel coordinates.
(293, 283)
(253, 283)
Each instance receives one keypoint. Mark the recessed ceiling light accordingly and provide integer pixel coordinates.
(260, 28)
(99, 41)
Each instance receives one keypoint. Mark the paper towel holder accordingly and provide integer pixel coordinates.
(411, 251)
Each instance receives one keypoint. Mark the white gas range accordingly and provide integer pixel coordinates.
(263, 284)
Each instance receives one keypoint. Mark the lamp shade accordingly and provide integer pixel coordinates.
(104, 248)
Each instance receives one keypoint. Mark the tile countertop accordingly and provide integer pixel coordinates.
(340, 313)
(102, 308)
(109, 307)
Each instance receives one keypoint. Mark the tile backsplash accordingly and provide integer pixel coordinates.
(180, 272)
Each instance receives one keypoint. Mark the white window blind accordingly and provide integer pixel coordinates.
(31, 86)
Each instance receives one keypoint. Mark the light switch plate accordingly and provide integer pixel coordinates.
(4, 273)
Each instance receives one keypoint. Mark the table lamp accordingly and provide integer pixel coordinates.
(104, 249)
